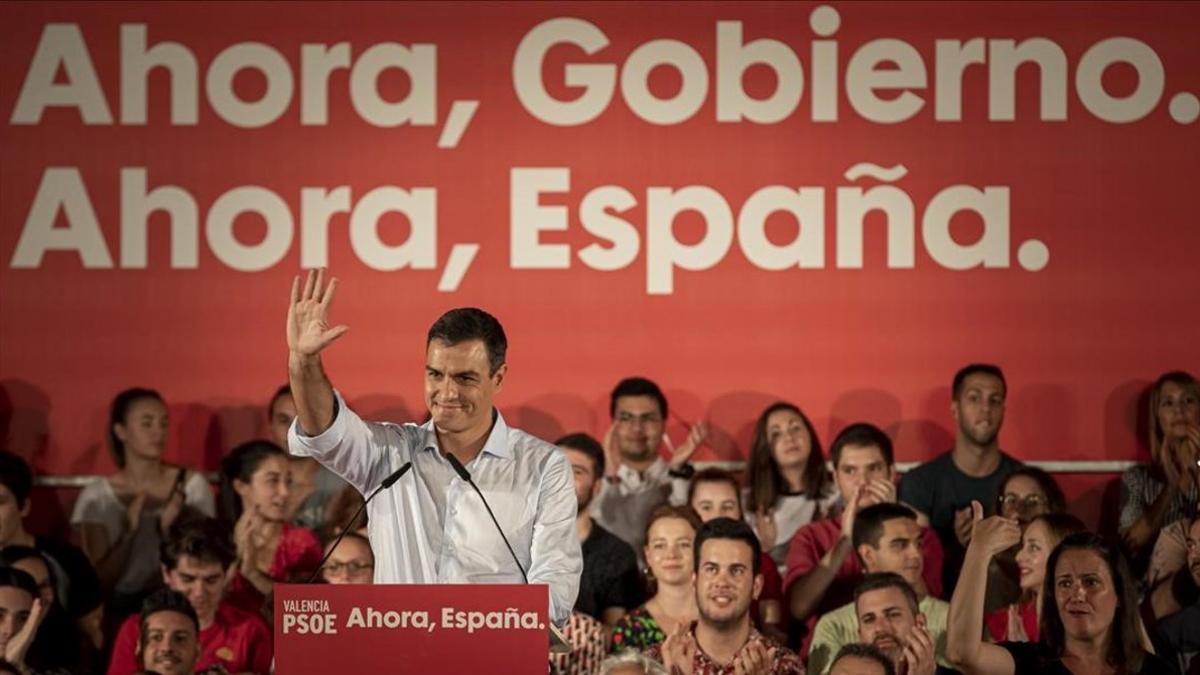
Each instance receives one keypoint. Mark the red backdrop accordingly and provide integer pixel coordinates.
(1077, 275)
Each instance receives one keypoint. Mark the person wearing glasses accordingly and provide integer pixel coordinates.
(637, 479)
(1026, 494)
(352, 562)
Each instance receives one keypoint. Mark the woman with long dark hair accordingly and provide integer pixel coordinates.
(788, 484)
(1089, 624)
(254, 503)
(127, 511)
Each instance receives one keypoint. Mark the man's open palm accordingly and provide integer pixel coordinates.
(308, 330)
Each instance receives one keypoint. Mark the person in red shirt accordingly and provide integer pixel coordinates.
(195, 559)
(254, 502)
(822, 569)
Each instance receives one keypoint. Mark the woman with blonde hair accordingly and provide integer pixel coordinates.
(1168, 489)
(1019, 621)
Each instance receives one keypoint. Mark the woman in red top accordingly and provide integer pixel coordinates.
(254, 497)
(1019, 621)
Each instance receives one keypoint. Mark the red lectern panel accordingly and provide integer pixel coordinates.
(324, 628)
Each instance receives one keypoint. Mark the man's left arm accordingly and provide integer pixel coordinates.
(554, 553)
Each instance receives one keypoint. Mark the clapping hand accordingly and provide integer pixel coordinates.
(679, 650)
(695, 438)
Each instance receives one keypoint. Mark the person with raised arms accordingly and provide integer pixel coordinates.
(430, 526)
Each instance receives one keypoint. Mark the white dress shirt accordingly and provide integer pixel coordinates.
(431, 527)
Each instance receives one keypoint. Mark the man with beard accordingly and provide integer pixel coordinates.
(195, 560)
(887, 539)
(636, 479)
(889, 620)
(724, 641)
(169, 644)
(1180, 632)
(822, 569)
(942, 490)
(610, 584)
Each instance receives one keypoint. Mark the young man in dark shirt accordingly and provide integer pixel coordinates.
(610, 584)
(942, 490)
(76, 584)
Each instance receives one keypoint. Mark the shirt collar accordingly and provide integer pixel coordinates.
(497, 440)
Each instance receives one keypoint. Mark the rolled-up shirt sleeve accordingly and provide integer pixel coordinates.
(555, 553)
(350, 447)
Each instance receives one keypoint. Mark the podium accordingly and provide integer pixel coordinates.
(396, 628)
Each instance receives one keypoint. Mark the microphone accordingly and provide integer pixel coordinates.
(466, 476)
(387, 483)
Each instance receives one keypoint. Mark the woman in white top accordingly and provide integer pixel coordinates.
(787, 482)
(121, 517)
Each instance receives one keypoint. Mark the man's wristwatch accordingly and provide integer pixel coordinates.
(685, 472)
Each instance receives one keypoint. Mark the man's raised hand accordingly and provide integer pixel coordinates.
(308, 330)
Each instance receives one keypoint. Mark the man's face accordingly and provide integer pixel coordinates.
(726, 583)
(169, 643)
(14, 611)
(857, 466)
(716, 499)
(202, 581)
(640, 424)
(899, 551)
(1193, 550)
(586, 485)
(10, 516)
(458, 386)
(979, 409)
(885, 620)
(283, 411)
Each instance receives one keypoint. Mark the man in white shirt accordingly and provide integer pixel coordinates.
(636, 478)
(431, 527)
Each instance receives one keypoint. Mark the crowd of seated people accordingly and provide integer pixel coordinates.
(814, 559)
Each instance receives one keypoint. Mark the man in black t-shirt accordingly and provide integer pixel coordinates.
(942, 490)
(76, 584)
(610, 584)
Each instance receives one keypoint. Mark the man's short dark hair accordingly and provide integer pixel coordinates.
(167, 600)
(11, 577)
(868, 524)
(637, 386)
(202, 538)
(727, 528)
(861, 434)
(16, 475)
(470, 323)
(860, 650)
(587, 445)
(976, 369)
(876, 581)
